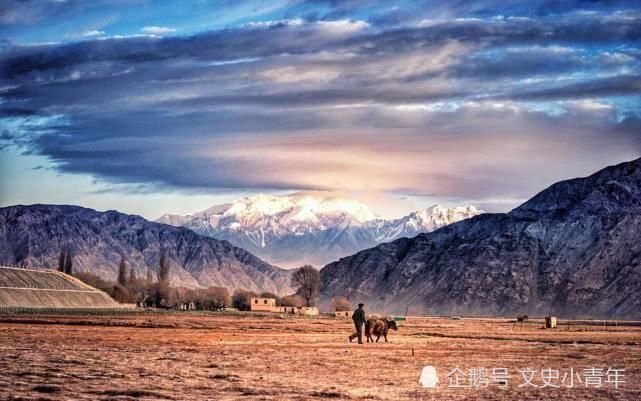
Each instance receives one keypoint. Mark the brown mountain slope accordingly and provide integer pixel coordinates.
(573, 249)
(34, 236)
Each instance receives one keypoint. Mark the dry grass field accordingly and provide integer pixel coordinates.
(224, 357)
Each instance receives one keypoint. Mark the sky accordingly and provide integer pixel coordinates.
(153, 107)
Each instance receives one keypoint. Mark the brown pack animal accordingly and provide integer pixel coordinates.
(378, 327)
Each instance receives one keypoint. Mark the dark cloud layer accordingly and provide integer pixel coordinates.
(449, 102)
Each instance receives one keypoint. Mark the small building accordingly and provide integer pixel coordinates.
(289, 309)
(550, 322)
(187, 306)
(343, 313)
(264, 305)
(269, 305)
(308, 310)
(299, 310)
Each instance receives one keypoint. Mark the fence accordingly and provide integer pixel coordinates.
(9, 310)
(578, 325)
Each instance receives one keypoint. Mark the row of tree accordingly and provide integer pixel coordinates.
(65, 262)
(130, 288)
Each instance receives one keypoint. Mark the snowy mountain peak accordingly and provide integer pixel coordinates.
(299, 207)
(308, 227)
(447, 215)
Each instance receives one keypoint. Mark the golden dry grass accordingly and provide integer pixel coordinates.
(226, 357)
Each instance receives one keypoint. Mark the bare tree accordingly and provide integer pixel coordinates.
(150, 278)
(341, 303)
(292, 300)
(159, 295)
(242, 299)
(95, 281)
(122, 272)
(120, 294)
(163, 268)
(132, 276)
(307, 280)
(214, 298)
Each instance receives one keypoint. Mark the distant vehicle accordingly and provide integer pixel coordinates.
(456, 318)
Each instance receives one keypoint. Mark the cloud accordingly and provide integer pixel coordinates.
(466, 107)
(93, 32)
(158, 30)
(377, 149)
(310, 38)
(619, 85)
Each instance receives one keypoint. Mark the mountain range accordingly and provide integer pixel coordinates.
(573, 249)
(34, 236)
(309, 228)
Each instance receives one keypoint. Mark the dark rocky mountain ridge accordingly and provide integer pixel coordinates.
(34, 235)
(573, 249)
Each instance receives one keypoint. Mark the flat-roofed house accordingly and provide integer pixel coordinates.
(264, 305)
(289, 309)
(308, 310)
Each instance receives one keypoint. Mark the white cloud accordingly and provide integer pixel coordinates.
(158, 30)
(269, 24)
(591, 105)
(343, 26)
(93, 33)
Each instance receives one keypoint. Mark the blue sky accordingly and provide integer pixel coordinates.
(157, 106)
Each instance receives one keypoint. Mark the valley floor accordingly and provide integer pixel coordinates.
(221, 357)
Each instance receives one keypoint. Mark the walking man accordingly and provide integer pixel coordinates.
(359, 320)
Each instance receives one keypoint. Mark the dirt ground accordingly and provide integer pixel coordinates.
(193, 356)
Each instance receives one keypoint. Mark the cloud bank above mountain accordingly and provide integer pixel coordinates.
(460, 101)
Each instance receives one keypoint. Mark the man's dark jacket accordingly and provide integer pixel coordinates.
(359, 317)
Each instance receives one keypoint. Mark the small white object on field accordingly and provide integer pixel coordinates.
(429, 378)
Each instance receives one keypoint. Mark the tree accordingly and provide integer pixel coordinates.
(95, 281)
(293, 300)
(150, 277)
(122, 272)
(341, 304)
(267, 294)
(132, 276)
(163, 268)
(158, 295)
(213, 298)
(68, 264)
(61, 261)
(307, 280)
(242, 299)
(121, 294)
(219, 297)
(137, 287)
(188, 295)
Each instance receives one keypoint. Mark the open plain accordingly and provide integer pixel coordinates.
(198, 356)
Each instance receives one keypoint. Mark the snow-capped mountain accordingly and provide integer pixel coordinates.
(421, 221)
(292, 230)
